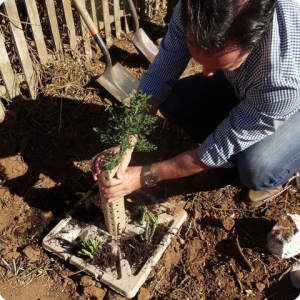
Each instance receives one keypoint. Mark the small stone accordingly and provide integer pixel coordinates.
(221, 235)
(143, 294)
(98, 284)
(228, 223)
(11, 255)
(181, 241)
(86, 281)
(240, 275)
(93, 291)
(260, 286)
(31, 253)
(4, 192)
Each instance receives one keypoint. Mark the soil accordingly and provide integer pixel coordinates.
(55, 138)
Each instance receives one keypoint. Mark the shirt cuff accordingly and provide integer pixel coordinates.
(212, 155)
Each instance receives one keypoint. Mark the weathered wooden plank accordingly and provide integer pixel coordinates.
(117, 16)
(70, 24)
(150, 9)
(157, 2)
(37, 30)
(7, 73)
(2, 112)
(86, 38)
(21, 46)
(99, 14)
(50, 6)
(107, 29)
(2, 90)
(93, 11)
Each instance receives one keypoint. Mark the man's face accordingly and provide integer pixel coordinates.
(227, 61)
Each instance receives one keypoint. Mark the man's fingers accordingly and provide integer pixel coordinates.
(111, 183)
(96, 165)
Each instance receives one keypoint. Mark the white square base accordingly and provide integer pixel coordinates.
(61, 239)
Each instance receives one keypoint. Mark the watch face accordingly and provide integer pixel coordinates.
(150, 179)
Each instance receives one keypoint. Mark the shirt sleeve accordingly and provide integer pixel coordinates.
(253, 119)
(169, 63)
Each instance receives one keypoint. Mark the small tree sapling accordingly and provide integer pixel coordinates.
(123, 125)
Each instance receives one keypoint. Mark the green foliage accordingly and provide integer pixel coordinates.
(90, 246)
(127, 122)
(148, 217)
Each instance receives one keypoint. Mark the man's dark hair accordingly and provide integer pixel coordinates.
(211, 25)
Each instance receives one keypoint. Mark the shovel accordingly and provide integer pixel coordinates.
(115, 79)
(140, 39)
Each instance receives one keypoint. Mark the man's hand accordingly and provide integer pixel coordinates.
(99, 158)
(121, 186)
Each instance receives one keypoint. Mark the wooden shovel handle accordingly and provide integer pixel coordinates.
(80, 6)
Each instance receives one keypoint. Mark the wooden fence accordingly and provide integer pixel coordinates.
(104, 13)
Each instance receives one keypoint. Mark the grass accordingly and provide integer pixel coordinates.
(18, 269)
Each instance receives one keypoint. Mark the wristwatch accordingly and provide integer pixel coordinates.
(148, 177)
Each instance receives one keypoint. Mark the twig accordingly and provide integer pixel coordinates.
(205, 201)
(242, 254)
(33, 279)
(10, 19)
(185, 279)
(186, 233)
(76, 272)
(157, 274)
(198, 231)
(268, 283)
(157, 284)
(286, 271)
(296, 259)
(237, 279)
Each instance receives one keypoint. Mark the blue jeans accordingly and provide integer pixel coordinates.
(198, 104)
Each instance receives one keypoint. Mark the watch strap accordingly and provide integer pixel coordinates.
(147, 170)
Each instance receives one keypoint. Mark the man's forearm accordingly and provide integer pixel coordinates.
(182, 165)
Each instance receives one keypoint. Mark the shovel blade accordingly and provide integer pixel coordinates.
(141, 40)
(119, 82)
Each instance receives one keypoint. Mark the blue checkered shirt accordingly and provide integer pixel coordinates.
(267, 84)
